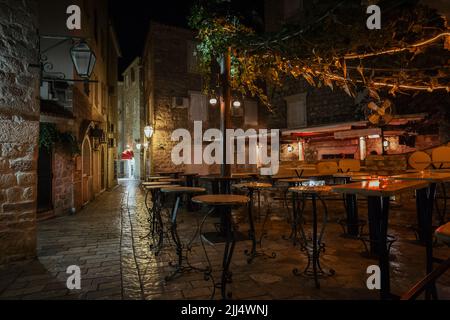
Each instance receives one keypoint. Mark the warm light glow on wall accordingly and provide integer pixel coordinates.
(258, 156)
(362, 148)
(301, 153)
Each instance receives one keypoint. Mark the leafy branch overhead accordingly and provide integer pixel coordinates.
(410, 53)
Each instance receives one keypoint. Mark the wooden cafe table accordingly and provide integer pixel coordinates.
(302, 169)
(353, 223)
(222, 184)
(425, 199)
(223, 204)
(378, 194)
(174, 173)
(155, 178)
(246, 175)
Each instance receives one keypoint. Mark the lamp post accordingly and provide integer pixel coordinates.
(148, 132)
(225, 110)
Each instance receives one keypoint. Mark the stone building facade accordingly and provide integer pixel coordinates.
(19, 129)
(173, 97)
(87, 111)
(132, 120)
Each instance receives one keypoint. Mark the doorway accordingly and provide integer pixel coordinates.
(45, 181)
(102, 170)
(86, 170)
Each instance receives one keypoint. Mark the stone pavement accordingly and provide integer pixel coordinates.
(108, 241)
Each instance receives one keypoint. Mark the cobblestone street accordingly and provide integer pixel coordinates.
(108, 240)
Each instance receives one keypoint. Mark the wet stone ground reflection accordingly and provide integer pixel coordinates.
(108, 240)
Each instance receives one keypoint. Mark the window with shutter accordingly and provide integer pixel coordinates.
(198, 107)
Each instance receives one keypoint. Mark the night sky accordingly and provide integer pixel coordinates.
(131, 20)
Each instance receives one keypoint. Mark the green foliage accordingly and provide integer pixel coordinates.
(335, 50)
(50, 137)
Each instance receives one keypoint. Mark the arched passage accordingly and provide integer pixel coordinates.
(86, 165)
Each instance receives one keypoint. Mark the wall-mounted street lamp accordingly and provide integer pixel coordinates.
(148, 131)
(83, 59)
(82, 56)
(138, 146)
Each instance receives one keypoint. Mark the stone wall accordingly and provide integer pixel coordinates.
(168, 77)
(63, 169)
(19, 129)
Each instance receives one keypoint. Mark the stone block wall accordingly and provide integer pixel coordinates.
(19, 129)
(63, 169)
(169, 78)
(387, 164)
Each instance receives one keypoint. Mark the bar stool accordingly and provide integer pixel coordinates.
(144, 186)
(313, 247)
(251, 187)
(155, 218)
(223, 204)
(291, 182)
(179, 192)
(190, 181)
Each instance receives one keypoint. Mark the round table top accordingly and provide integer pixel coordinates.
(154, 183)
(244, 174)
(253, 185)
(294, 180)
(220, 178)
(155, 177)
(171, 180)
(312, 189)
(168, 172)
(281, 177)
(172, 189)
(157, 187)
(221, 199)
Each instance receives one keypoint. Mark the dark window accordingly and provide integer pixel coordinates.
(133, 75)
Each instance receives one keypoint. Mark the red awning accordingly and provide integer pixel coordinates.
(127, 155)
